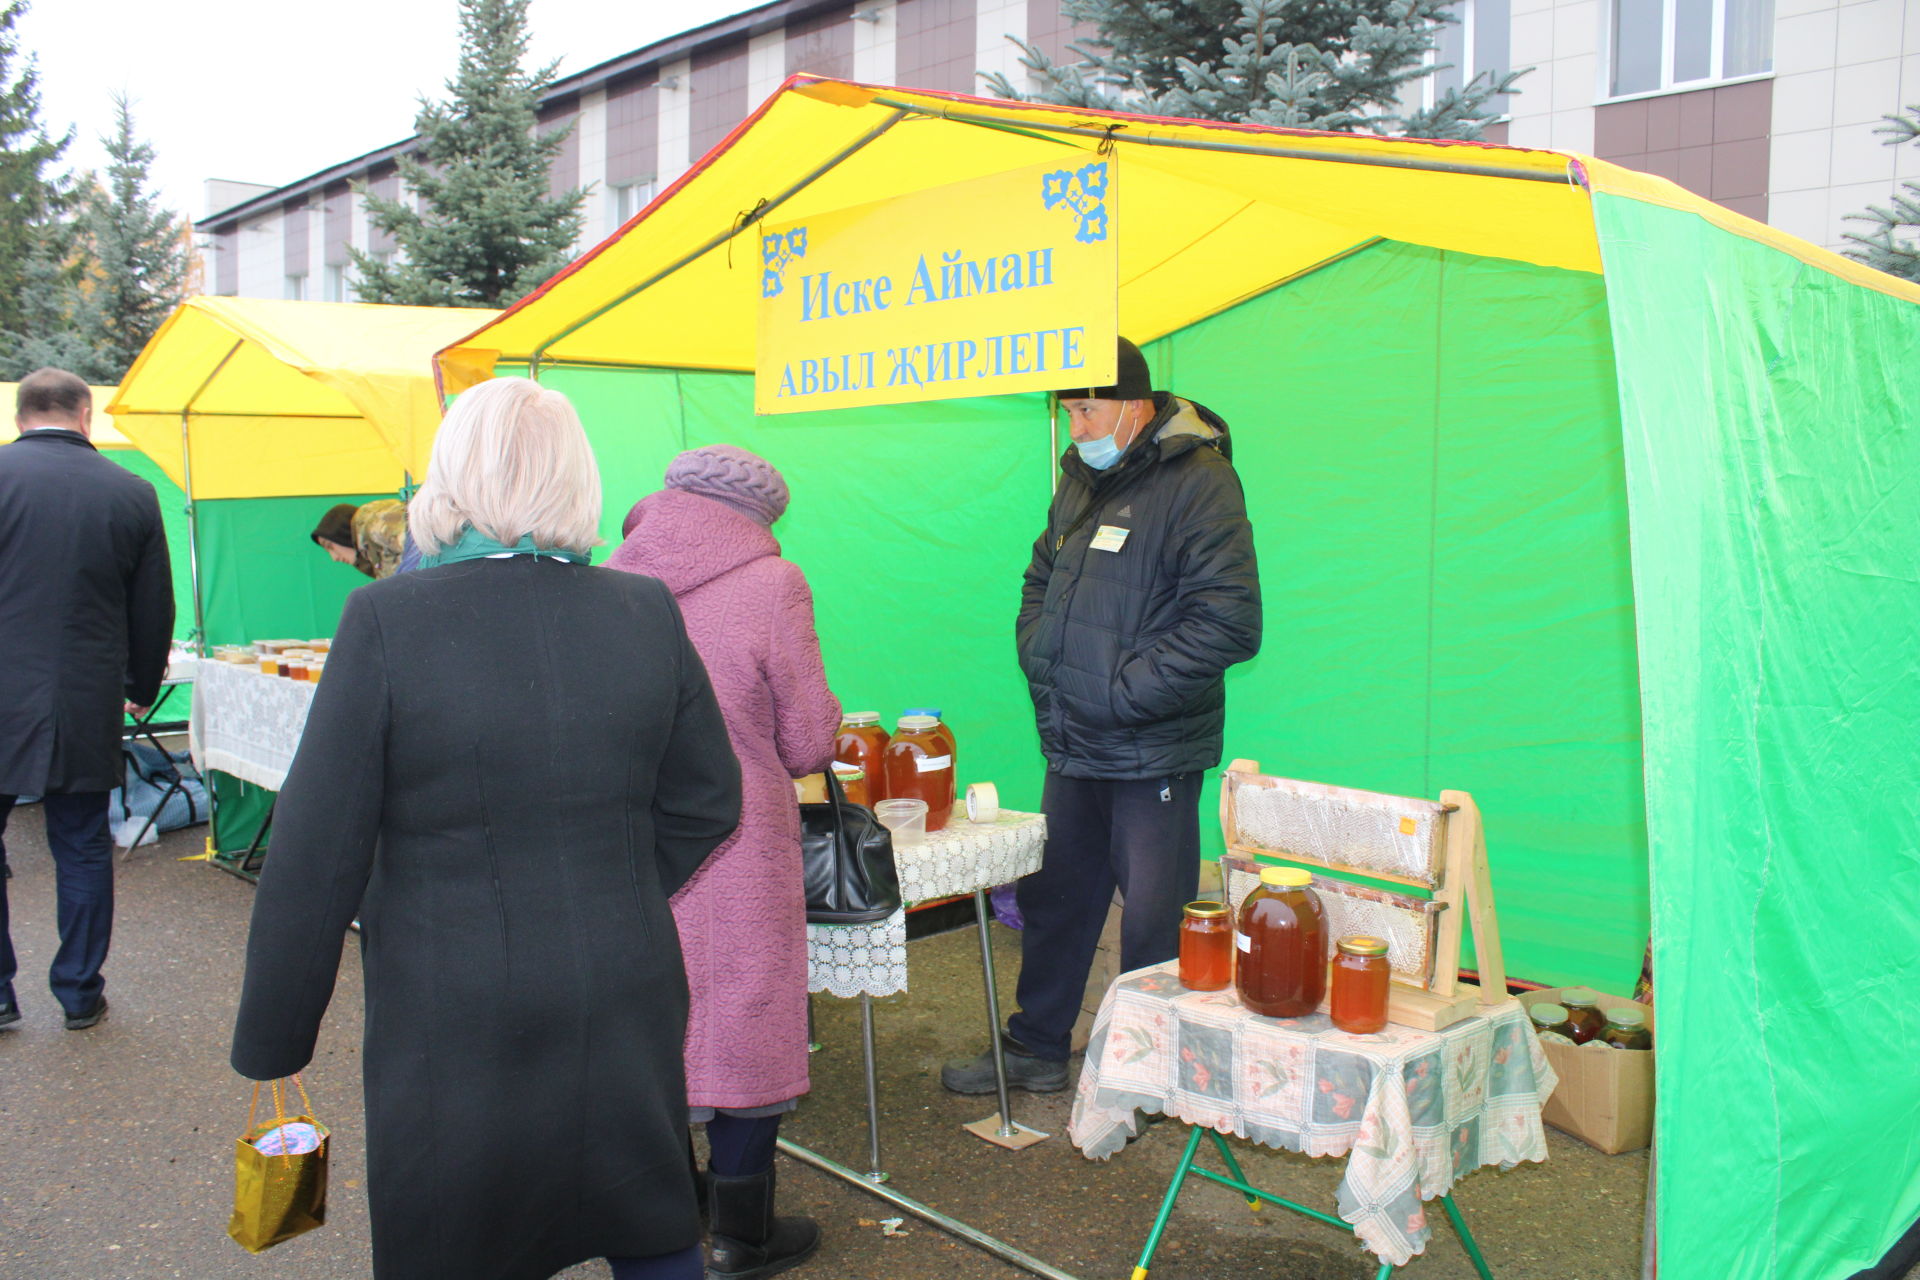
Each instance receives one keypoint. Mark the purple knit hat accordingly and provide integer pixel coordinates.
(727, 473)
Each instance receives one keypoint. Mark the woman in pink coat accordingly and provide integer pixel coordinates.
(742, 917)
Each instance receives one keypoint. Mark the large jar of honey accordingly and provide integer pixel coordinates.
(1206, 946)
(1281, 936)
(1360, 975)
(1627, 1029)
(945, 733)
(918, 765)
(857, 750)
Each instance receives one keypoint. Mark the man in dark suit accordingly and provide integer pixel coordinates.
(86, 617)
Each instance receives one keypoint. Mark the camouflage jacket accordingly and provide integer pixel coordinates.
(379, 535)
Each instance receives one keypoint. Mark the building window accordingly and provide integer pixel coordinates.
(336, 282)
(629, 198)
(296, 288)
(1670, 44)
(1475, 45)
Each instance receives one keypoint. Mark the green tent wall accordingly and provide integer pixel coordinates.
(1440, 509)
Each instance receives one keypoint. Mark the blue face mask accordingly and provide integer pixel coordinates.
(1099, 454)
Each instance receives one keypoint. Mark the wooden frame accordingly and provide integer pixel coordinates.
(1461, 887)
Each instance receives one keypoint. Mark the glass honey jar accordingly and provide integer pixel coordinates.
(1550, 1018)
(1360, 976)
(857, 749)
(1281, 969)
(1627, 1029)
(1583, 1012)
(918, 765)
(1206, 946)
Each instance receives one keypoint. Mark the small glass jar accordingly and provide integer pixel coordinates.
(269, 663)
(1627, 1029)
(1206, 946)
(296, 669)
(1583, 1011)
(1360, 977)
(1551, 1019)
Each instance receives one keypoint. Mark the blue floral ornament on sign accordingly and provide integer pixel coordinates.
(775, 253)
(1083, 192)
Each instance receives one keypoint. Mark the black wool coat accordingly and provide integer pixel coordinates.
(510, 766)
(86, 611)
(1125, 638)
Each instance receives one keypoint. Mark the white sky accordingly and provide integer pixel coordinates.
(272, 90)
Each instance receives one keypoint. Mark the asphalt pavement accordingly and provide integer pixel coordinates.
(116, 1144)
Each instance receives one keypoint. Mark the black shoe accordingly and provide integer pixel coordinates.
(1024, 1071)
(81, 1021)
(748, 1241)
(9, 1014)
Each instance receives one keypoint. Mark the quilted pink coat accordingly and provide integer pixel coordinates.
(742, 917)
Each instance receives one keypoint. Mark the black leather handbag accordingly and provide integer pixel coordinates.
(847, 859)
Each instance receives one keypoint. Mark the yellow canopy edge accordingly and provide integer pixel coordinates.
(1612, 179)
(105, 434)
(1210, 214)
(289, 398)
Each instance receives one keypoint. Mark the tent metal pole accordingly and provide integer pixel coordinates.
(972, 1235)
(1117, 134)
(193, 514)
(740, 224)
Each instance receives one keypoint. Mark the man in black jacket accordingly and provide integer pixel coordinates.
(1141, 593)
(86, 618)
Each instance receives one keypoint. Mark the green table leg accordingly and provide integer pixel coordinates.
(1386, 1269)
(1466, 1237)
(1166, 1205)
(1233, 1167)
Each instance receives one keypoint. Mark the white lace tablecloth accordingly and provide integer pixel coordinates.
(247, 724)
(871, 959)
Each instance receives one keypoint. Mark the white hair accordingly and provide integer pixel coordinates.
(511, 459)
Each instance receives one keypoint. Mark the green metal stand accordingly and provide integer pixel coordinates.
(1255, 1197)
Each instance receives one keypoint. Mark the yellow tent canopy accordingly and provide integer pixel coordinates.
(1206, 208)
(105, 434)
(256, 398)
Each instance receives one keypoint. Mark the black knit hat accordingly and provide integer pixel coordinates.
(1133, 383)
(336, 526)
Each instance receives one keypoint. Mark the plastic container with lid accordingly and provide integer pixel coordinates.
(1627, 1029)
(1583, 1012)
(1206, 946)
(1281, 970)
(1360, 976)
(857, 749)
(918, 765)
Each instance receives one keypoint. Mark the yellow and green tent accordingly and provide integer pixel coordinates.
(1571, 489)
(265, 413)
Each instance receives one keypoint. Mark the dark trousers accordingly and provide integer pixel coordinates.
(1141, 836)
(83, 877)
(689, 1263)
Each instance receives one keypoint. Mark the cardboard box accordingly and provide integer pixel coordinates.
(1605, 1096)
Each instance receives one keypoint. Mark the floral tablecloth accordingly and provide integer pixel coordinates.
(850, 960)
(1411, 1110)
(247, 724)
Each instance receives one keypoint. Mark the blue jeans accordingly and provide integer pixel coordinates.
(1141, 836)
(82, 851)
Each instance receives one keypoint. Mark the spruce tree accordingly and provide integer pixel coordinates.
(1314, 64)
(138, 250)
(486, 231)
(1892, 244)
(32, 198)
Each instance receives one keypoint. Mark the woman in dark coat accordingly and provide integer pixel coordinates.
(506, 801)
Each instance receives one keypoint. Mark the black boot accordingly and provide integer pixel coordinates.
(748, 1241)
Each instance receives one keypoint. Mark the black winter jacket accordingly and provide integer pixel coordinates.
(1124, 650)
(86, 611)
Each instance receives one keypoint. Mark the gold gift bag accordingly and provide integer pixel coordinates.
(277, 1196)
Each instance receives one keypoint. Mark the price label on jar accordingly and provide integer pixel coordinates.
(932, 764)
(1244, 941)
